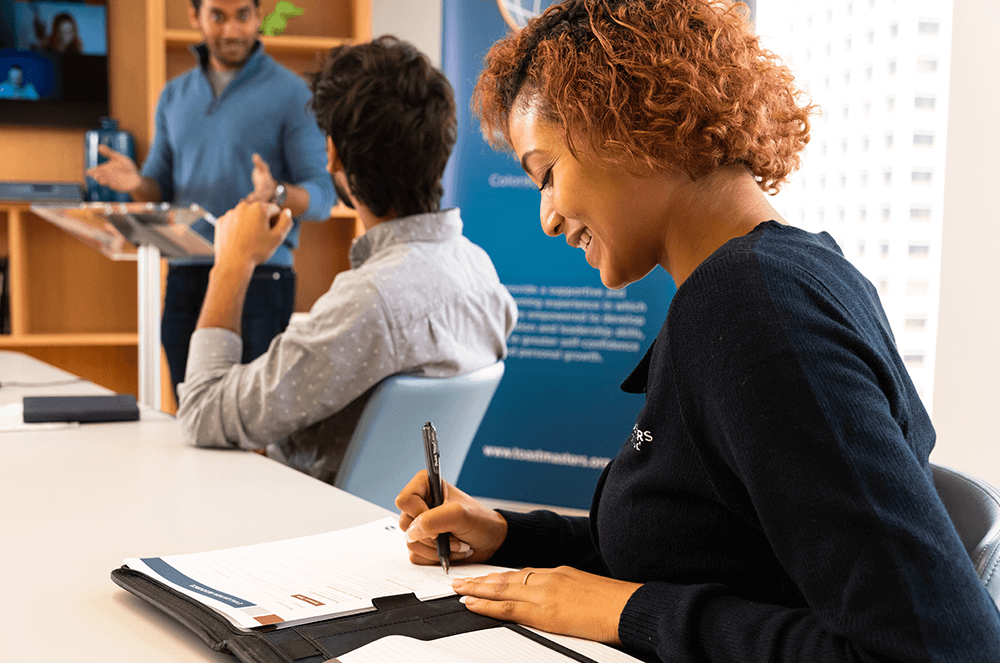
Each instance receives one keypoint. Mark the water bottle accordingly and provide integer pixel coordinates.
(118, 140)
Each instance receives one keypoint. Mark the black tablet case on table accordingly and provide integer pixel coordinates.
(321, 640)
(85, 409)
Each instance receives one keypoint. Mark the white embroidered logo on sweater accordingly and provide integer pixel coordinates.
(640, 436)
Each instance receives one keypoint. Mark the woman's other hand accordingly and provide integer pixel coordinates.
(561, 600)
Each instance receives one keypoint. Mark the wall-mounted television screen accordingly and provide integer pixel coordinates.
(53, 62)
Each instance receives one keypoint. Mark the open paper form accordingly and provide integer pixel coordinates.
(491, 645)
(304, 579)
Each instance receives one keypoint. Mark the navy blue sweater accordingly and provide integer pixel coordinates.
(775, 496)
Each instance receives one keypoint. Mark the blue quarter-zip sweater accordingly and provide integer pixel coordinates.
(203, 147)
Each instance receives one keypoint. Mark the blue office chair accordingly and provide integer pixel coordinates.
(387, 447)
(974, 508)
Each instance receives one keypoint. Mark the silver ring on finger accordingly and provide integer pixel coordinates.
(526, 576)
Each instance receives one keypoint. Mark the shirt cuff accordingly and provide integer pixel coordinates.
(320, 201)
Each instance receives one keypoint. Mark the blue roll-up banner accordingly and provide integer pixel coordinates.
(558, 415)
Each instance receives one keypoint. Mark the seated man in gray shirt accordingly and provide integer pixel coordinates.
(419, 299)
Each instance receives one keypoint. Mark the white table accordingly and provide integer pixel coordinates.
(78, 501)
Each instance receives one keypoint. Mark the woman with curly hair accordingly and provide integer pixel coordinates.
(774, 500)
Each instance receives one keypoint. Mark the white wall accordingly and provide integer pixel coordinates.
(416, 21)
(967, 379)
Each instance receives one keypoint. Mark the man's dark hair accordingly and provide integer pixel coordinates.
(197, 4)
(391, 117)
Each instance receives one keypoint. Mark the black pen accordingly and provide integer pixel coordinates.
(437, 488)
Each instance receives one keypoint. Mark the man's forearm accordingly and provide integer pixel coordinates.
(297, 200)
(148, 191)
(223, 305)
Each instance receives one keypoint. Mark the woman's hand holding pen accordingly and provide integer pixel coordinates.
(476, 531)
(562, 600)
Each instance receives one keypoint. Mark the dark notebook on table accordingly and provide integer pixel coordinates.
(85, 409)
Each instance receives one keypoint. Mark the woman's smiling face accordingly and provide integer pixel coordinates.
(610, 214)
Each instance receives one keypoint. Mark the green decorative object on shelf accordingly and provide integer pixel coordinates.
(276, 22)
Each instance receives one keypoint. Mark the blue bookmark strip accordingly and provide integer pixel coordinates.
(173, 575)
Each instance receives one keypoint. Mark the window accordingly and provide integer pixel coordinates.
(921, 139)
(890, 103)
(843, 146)
(888, 141)
(883, 249)
(916, 324)
(845, 111)
(917, 288)
(920, 213)
(921, 176)
(863, 179)
(928, 28)
(862, 214)
(861, 249)
(842, 178)
(868, 72)
(893, 30)
(870, 37)
(886, 213)
(913, 360)
(847, 78)
(890, 67)
(865, 141)
(887, 176)
(866, 107)
(841, 214)
(918, 250)
(822, 182)
(882, 284)
(847, 44)
(924, 102)
(926, 65)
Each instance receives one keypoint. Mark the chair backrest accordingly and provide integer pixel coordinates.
(974, 507)
(387, 447)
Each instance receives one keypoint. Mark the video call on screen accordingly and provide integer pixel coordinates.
(53, 51)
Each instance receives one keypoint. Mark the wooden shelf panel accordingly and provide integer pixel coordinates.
(114, 367)
(274, 45)
(68, 340)
(69, 287)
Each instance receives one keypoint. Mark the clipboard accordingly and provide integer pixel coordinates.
(322, 640)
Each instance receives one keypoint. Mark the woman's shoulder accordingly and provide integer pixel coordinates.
(772, 258)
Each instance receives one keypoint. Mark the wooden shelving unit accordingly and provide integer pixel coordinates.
(71, 306)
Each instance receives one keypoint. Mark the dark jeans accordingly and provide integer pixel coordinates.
(269, 304)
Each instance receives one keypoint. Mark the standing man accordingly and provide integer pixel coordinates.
(420, 298)
(234, 128)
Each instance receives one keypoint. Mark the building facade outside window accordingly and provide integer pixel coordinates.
(902, 132)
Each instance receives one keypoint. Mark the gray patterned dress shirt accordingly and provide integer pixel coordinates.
(420, 299)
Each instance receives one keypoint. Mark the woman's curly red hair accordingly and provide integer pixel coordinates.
(651, 86)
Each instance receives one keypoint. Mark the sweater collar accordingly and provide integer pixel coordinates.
(429, 227)
(250, 67)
